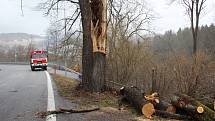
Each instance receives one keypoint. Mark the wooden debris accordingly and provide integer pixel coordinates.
(189, 106)
(63, 110)
(180, 107)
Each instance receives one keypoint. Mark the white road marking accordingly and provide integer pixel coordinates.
(51, 102)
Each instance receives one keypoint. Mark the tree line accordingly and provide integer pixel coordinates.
(181, 41)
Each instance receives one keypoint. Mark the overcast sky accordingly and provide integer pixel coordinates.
(34, 22)
(11, 19)
(173, 16)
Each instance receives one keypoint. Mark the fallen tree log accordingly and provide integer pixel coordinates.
(187, 105)
(149, 105)
(63, 110)
(209, 104)
(160, 104)
(134, 96)
(165, 106)
(169, 115)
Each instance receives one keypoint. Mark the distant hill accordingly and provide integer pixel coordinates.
(11, 39)
(17, 36)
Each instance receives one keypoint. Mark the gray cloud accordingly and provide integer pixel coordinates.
(11, 20)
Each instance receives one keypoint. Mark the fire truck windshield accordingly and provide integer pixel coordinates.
(35, 56)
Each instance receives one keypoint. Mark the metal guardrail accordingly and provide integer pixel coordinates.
(63, 68)
(15, 63)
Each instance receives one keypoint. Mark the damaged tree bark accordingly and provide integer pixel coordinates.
(99, 38)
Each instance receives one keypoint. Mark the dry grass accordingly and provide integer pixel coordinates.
(69, 89)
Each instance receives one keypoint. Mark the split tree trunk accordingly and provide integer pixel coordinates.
(99, 38)
(94, 23)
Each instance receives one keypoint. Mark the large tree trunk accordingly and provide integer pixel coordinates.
(87, 52)
(99, 72)
(99, 38)
(94, 23)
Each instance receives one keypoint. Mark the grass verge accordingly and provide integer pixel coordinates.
(69, 89)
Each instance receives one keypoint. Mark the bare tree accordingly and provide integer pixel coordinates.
(127, 27)
(194, 9)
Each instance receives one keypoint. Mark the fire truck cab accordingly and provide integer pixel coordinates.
(38, 59)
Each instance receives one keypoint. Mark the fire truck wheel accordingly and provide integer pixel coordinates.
(45, 68)
(32, 69)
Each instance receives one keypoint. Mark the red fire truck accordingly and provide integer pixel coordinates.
(38, 59)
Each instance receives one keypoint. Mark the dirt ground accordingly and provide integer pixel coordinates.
(107, 102)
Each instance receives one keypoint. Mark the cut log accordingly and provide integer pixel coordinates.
(188, 105)
(134, 96)
(168, 115)
(165, 106)
(149, 105)
(148, 110)
(160, 104)
(200, 109)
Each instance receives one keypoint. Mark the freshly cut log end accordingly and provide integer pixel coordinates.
(148, 110)
(200, 109)
(157, 100)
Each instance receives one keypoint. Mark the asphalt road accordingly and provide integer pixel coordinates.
(23, 93)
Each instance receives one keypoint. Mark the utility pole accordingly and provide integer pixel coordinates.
(55, 51)
(15, 55)
(65, 51)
